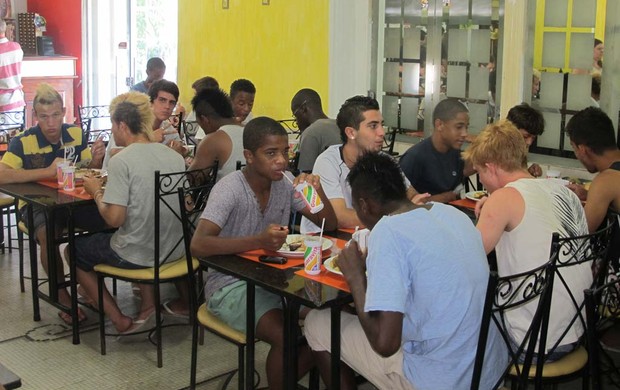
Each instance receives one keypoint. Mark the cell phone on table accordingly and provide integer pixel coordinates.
(272, 259)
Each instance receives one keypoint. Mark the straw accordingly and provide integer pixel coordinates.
(287, 178)
(75, 160)
(321, 235)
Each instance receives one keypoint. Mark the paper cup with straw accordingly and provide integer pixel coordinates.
(309, 195)
(314, 253)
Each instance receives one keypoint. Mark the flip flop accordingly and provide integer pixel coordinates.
(170, 312)
(140, 325)
(66, 317)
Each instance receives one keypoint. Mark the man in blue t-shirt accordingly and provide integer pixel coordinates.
(435, 164)
(419, 309)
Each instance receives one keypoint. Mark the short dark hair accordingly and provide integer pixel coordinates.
(308, 96)
(448, 109)
(155, 63)
(593, 128)
(351, 113)
(204, 83)
(241, 85)
(377, 176)
(163, 85)
(257, 129)
(526, 117)
(212, 103)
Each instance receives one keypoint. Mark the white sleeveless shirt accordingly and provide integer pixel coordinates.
(549, 208)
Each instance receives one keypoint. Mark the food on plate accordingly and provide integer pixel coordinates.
(335, 264)
(479, 194)
(294, 246)
(80, 173)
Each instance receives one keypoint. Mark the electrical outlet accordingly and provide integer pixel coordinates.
(224, 4)
(265, 2)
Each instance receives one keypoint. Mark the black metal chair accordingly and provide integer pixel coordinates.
(192, 202)
(95, 122)
(163, 271)
(504, 294)
(190, 128)
(602, 306)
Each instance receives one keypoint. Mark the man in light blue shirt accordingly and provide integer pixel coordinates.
(420, 307)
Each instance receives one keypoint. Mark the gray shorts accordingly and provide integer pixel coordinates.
(229, 303)
(95, 249)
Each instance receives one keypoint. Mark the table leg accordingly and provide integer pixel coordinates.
(335, 348)
(51, 255)
(34, 266)
(291, 320)
(249, 337)
(72, 279)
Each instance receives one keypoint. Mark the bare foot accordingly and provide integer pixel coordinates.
(123, 324)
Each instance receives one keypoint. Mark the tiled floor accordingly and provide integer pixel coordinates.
(41, 353)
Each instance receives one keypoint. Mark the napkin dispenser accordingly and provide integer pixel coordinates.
(45, 46)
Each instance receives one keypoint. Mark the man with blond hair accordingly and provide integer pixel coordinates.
(32, 156)
(130, 174)
(518, 220)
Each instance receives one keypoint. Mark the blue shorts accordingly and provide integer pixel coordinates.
(95, 249)
(229, 304)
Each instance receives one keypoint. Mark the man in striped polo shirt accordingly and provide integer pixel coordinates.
(32, 156)
(11, 55)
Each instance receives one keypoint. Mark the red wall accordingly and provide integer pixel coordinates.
(64, 25)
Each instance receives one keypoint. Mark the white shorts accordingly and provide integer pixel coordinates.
(355, 350)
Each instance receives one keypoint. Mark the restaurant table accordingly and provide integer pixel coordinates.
(296, 291)
(50, 200)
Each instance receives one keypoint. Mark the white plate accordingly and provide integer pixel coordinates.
(472, 195)
(329, 265)
(326, 244)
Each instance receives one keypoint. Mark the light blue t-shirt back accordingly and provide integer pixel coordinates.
(431, 266)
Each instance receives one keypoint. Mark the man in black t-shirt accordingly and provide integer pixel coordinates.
(435, 164)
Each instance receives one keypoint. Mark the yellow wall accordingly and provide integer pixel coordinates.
(281, 48)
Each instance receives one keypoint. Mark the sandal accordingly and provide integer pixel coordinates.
(66, 317)
(170, 312)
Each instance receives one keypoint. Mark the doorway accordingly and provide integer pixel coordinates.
(120, 37)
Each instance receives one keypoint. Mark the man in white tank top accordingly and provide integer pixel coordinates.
(518, 220)
(224, 137)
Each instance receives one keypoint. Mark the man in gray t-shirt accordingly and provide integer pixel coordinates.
(250, 210)
(318, 132)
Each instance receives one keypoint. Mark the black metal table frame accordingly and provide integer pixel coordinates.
(291, 318)
(52, 296)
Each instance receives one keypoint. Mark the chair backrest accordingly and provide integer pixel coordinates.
(190, 128)
(166, 193)
(590, 252)
(389, 140)
(192, 201)
(290, 125)
(11, 124)
(504, 294)
(602, 311)
(95, 122)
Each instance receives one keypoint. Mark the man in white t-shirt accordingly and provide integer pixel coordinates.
(518, 220)
(361, 130)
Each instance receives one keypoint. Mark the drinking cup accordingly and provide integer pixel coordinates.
(293, 147)
(310, 196)
(59, 171)
(312, 255)
(68, 178)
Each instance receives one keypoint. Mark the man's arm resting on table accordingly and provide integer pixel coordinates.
(9, 175)
(206, 241)
(496, 218)
(444, 197)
